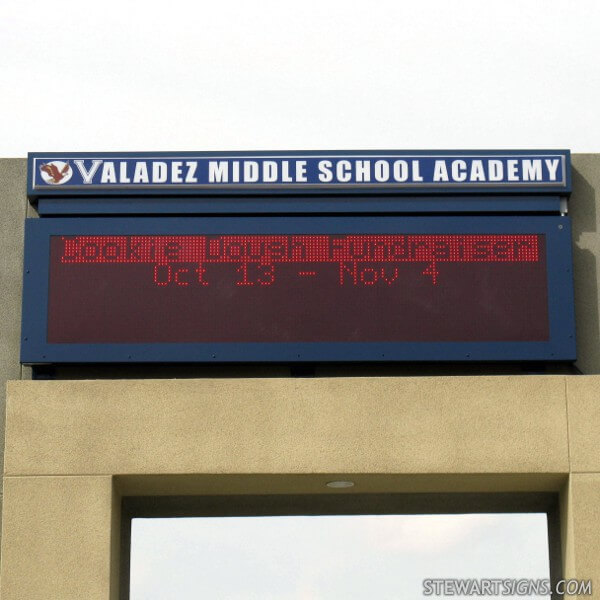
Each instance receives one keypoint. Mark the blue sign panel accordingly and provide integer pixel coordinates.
(302, 289)
(313, 172)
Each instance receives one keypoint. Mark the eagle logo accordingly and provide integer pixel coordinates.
(56, 172)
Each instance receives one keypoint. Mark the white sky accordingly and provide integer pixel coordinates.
(330, 558)
(316, 74)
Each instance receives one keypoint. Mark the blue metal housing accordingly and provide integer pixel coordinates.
(559, 347)
(297, 205)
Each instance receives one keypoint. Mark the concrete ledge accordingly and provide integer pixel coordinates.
(315, 483)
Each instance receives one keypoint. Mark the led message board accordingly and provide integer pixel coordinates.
(253, 289)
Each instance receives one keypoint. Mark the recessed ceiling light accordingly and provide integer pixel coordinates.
(340, 484)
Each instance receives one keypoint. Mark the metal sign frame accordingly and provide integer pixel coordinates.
(559, 347)
(321, 172)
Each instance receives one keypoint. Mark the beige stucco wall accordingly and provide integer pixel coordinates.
(73, 447)
(13, 206)
(585, 215)
(280, 425)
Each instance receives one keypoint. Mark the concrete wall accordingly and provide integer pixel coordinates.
(13, 204)
(73, 447)
(585, 213)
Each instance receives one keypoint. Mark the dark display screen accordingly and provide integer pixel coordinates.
(297, 288)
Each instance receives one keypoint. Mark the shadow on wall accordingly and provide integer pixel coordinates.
(585, 248)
